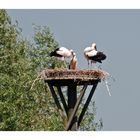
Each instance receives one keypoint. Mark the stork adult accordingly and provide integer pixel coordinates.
(92, 54)
(62, 53)
(87, 50)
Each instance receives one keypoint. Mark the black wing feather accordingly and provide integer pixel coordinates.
(54, 53)
(98, 57)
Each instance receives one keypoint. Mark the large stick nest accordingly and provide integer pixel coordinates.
(82, 75)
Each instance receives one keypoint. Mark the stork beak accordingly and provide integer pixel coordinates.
(71, 51)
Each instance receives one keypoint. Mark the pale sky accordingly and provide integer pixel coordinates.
(117, 33)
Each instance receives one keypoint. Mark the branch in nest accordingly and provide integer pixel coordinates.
(107, 84)
(39, 77)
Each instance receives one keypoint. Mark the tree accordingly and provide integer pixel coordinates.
(20, 107)
(23, 108)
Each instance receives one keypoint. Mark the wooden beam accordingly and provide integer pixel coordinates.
(87, 103)
(62, 99)
(60, 110)
(68, 82)
(76, 107)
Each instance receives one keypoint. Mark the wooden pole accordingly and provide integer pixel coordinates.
(72, 98)
(76, 107)
(87, 103)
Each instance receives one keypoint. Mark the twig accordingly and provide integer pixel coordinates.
(39, 77)
(4, 56)
(106, 83)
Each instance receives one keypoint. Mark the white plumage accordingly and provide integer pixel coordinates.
(91, 53)
(62, 52)
(88, 49)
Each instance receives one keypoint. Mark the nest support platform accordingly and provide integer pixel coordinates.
(68, 107)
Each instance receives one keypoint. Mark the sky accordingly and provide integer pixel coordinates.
(116, 33)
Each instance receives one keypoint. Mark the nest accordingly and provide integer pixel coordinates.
(64, 74)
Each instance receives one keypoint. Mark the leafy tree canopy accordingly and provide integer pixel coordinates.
(20, 60)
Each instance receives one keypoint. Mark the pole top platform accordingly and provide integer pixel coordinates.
(65, 77)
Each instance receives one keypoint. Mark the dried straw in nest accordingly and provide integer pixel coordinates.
(52, 74)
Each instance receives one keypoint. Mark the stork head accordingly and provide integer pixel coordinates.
(71, 51)
(74, 54)
(93, 46)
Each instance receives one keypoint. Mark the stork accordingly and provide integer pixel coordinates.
(92, 54)
(73, 62)
(62, 53)
(89, 49)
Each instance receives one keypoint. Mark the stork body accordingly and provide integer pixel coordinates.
(88, 50)
(96, 56)
(62, 53)
(92, 54)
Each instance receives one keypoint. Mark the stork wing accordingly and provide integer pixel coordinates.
(99, 57)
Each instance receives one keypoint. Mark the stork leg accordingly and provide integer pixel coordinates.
(91, 64)
(99, 67)
(94, 66)
(88, 64)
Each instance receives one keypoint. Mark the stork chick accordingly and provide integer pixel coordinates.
(73, 62)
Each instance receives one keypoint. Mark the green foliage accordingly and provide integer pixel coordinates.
(20, 107)
(44, 43)
(20, 60)
(88, 122)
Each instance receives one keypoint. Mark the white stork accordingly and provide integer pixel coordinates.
(92, 54)
(73, 62)
(62, 53)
